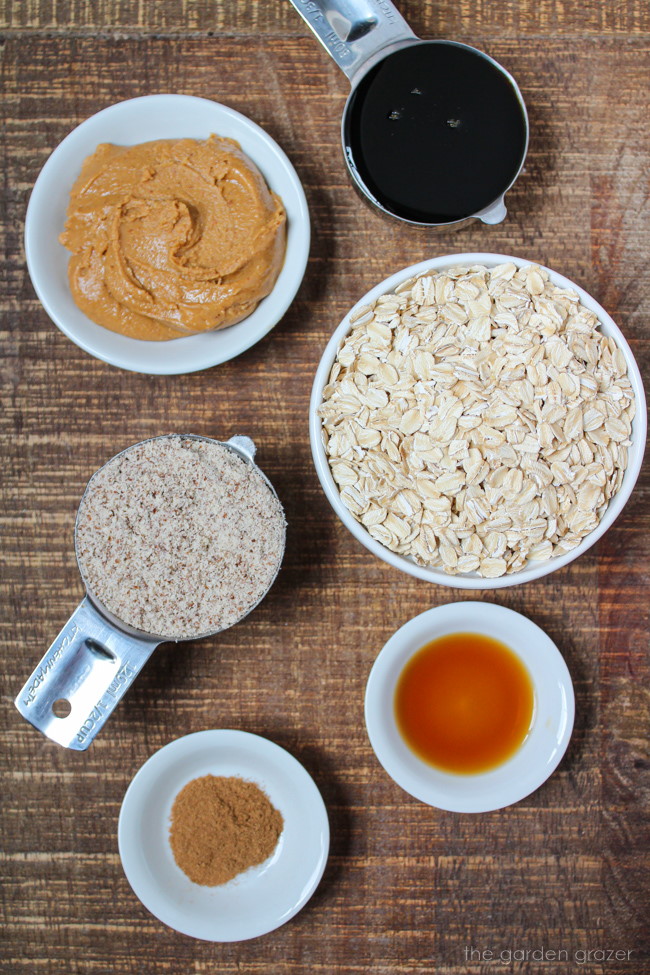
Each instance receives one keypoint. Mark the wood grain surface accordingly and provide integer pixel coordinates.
(408, 889)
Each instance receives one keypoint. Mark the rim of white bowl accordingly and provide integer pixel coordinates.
(47, 205)
(472, 581)
(255, 902)
(542, 749)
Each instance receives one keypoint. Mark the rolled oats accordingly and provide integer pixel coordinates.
(477, 419)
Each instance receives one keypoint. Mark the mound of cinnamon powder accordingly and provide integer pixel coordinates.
(221, 826)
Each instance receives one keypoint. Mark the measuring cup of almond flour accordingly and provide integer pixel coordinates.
(177, 538)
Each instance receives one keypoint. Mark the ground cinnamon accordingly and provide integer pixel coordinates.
(221, 826)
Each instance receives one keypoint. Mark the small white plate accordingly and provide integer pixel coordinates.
(262, 898)
(143, 120)
(541, 751)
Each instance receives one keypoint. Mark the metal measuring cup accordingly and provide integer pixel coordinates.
(432, 154)
(96, 657)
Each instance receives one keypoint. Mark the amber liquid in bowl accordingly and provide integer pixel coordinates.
(464, 703)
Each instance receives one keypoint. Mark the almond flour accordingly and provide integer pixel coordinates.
(179, 537)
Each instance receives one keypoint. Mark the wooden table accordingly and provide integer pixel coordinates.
(408, 888)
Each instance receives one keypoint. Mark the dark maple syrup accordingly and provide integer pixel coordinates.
(436, 132)
(464, 703)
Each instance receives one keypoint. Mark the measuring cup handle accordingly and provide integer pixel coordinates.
(85, 672)
(354, 31)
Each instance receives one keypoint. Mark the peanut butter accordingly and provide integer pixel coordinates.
(172, 238)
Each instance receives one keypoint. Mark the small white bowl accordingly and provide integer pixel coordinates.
(262, 898)
(541, 751)
(143, 120)
(532, 570)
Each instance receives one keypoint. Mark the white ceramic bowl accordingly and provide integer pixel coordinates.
(542, 750)
(532, 570)
(262, 898)
(143, 120)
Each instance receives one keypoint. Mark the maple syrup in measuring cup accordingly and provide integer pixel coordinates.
(433, 132)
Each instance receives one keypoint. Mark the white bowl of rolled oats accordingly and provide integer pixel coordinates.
(477, 421)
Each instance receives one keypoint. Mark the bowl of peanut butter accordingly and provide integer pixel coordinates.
(167, 234)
